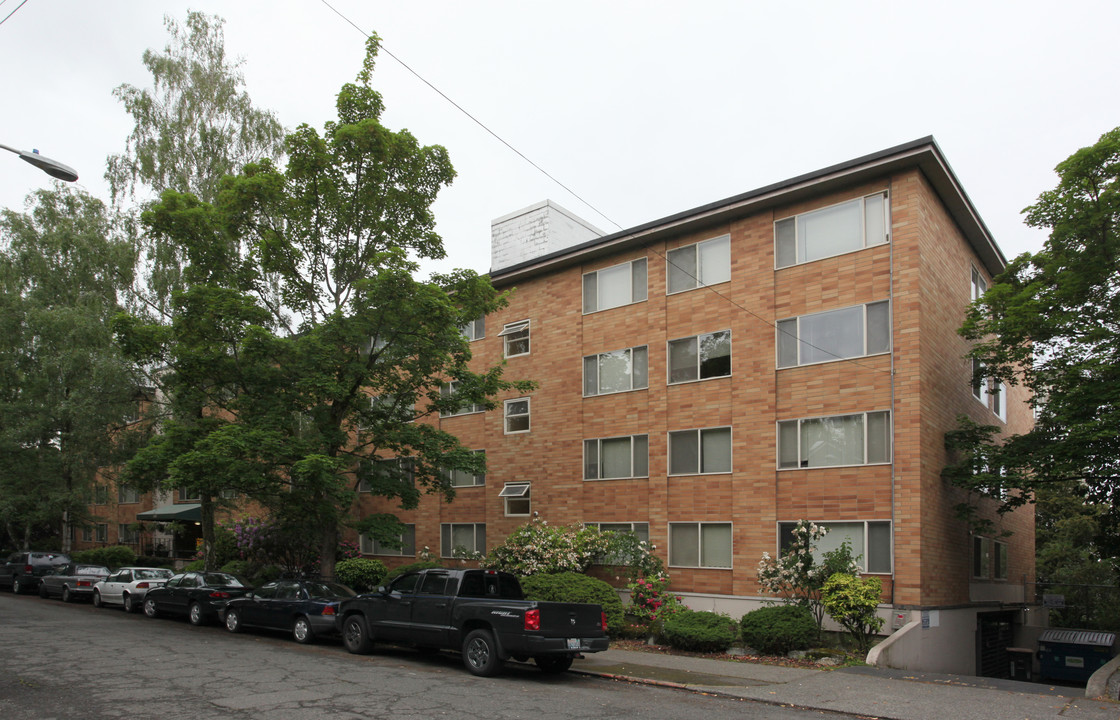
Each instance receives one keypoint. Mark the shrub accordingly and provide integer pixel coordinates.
(411, 567)
(113, 557)
(777, 630)
(575, 587)
(539, 548)
(196, 566)
(700, 631)
(361, 574)
(852, 601)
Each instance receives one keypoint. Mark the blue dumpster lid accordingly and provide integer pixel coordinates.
(1079, 637)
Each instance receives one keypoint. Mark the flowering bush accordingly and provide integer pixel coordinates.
(537, 547)
(348, 550)
(626, 548)
(649, 601)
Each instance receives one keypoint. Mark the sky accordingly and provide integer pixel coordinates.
(641, 109)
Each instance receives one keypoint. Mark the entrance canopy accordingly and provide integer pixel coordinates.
(183, 512)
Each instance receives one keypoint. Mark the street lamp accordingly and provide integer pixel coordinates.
(51, 167)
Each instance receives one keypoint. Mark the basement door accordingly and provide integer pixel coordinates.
(994, 634)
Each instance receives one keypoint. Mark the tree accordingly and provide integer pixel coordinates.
(1051, 322)
(65, 389)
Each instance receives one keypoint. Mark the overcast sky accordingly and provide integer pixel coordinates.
(643, 109)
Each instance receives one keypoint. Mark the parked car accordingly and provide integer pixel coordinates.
(23, 570)
(198, 595)
(306, 608)
(128, 585)
(72, 581)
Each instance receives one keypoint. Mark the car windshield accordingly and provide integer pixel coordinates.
(221, 580)
(91, 570)
(151, 574)
(327, 589)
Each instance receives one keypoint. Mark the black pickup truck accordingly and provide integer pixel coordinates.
(482, 613)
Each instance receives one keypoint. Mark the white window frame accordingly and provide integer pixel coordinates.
(597, 444)
(802, 460)
(506, 417)
(700, 451)
(518, 497)
(478, 530)
(979, 284)
(369, 546)
(184, 495)
(867, 242)
(672, 562)
(475, 329)
(641, 529)
(102, 533)
(999, 401)
(127, 495)
(635, 294)
(475, 480)
(447, 389)
(127, 535)
(513, 333)
(699, 357)
(597, 362)
(1000, 558)
(785, 335)
(87, 534)
(698, 278)
(863, 561)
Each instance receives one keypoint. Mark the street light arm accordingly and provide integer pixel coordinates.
(51, 167)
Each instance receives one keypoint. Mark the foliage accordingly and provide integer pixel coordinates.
(851, 601)
(577, 588)
(627, 549)
(798, 574)
(537, 547)
(700, 631)
(112, 557)
(195, 566)
(361, 574)
(778, 629)
(649, 600)
(65, 389)
(1049, 322)
(410, 567)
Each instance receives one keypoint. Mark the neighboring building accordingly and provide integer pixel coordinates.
(712, 377)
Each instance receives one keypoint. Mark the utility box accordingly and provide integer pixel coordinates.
(1073, 654)
(1022, 663)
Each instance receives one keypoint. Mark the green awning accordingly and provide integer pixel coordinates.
(184, 512)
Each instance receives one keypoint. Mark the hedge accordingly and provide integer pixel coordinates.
(361, 574)
(112, 557)
(779, 629)
(576, 587)
(700, 631)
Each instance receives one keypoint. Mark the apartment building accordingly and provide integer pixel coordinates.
(712, 377)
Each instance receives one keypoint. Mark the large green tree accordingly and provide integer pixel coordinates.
(65, 389)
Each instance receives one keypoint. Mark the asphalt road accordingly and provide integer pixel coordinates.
(67, 661)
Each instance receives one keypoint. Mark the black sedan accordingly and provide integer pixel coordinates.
(72, 581)
(198, 595)
(306, 608)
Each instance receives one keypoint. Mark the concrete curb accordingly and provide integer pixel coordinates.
(1097, 687)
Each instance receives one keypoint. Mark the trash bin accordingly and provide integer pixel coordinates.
(1022, 663)
(1073, 654)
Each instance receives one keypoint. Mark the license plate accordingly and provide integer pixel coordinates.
(573, 643)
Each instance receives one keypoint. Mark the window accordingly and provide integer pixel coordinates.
(640, 529)
(127, 535)
(133, 413)
(87, 534)
(990, 392)
(447, 391)
(102, 532)
(189, 495)
(858, 439)
(697, 452)
(470, 537)
(227, 493)
(475, 329)
(979, 284)
(999, 401)
(833, 230)
(516, 338)
(999, 558)
(518, 498)
(699, 264)
(700, 545)
(614, 286)
(461, 478)
(981, 557)
(870, 541)
(100, 494)
(370, 546)
(387, 472)
(618, 457)
(517, 416)
(616, 371)
(835, 335)
(980, 383)
(127, 494)
(700, 357)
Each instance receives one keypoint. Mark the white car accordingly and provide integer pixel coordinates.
(127, 586)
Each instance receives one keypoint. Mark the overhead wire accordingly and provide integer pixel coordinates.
(13, 12)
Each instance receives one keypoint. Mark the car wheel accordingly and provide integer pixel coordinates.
(43, 591)
(554, 663)
(126, 600)
(233, 621)
(194, 614)
(480, 653)
(96, 599)
(302, 631)
(150, 608)
(17, 586)
(355, 637)
(66, 597)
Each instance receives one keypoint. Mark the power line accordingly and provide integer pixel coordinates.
(13, 12)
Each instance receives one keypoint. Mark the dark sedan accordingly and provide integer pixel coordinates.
(198, 595)
(306, 608)
(72, 581)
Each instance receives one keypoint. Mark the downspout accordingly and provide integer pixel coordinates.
(894, 413)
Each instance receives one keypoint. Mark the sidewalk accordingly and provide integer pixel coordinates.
(865, 691)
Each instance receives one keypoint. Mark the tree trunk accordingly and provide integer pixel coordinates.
(328, 550)
(206, 510)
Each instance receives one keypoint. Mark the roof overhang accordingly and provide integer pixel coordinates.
(922, 154)
(182, 512)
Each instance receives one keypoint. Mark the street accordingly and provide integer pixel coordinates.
(65, 661)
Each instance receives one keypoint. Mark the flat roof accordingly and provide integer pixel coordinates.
(923, 154)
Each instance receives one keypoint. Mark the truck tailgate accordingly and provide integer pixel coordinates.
(571, 619)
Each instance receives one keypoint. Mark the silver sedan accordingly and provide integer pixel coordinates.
(128, 586)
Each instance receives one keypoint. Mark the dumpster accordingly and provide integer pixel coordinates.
(1073, 654)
